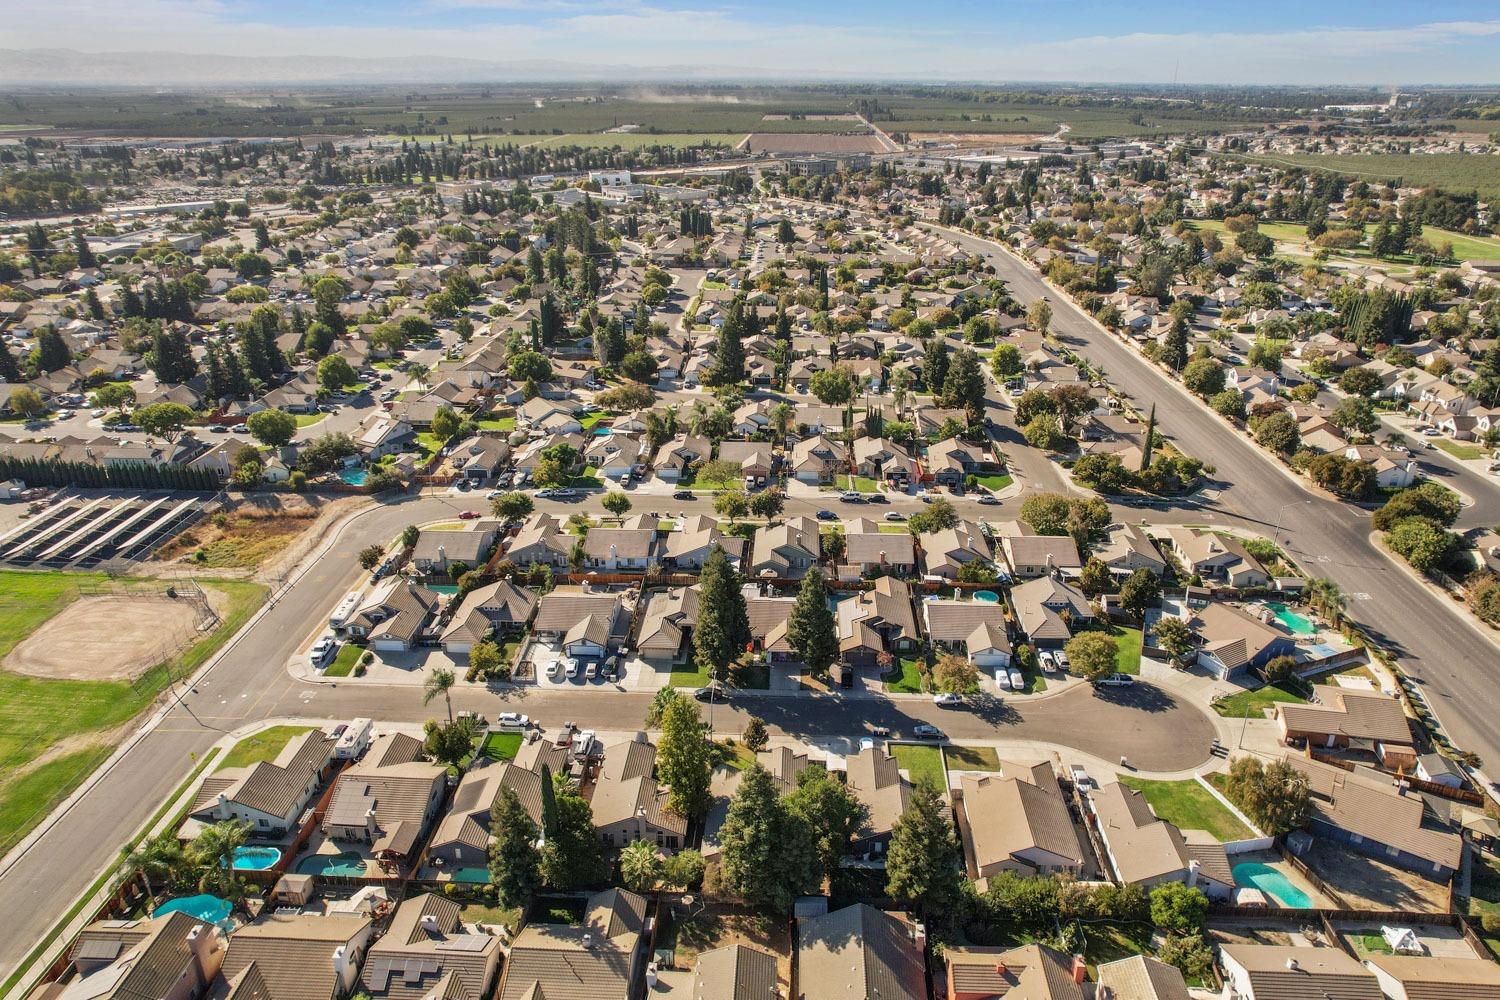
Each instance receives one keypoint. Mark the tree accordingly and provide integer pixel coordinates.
(51, 352)
(27, 402)
(684, 870)
(663, 698)
(334, 373)
(1173, 635)
(722, 631)
(1228, 403)
(617, 504)
(1006, 361)
(684, 760)
(755, 736)
(1174, 347)
(1204, 377)
(924, 867)
(1433, 501)
(513, 505)
(370, 556)
(733, 504)
(964, 385)
(571, 853)
(449, 743)
(529, 366)
(640, 866)
(486, 661)
(1347, 477)
(163, 420)
(810, 626)
(160, 862)
(1276, 796)
(1355, 413)
(213, 850)
(1178, 907)
(1034, 403)
(639, 366)
(515, 862)
(768, 503)
(1092, 655)
(1043, 433)
(1360, 382)
(272, 427)
(1096, 578)
(769, 852)
(955, 674)
(439, 682)
(1190, 954)
(830, 810)
(1421, 542)
(445, 424)
(1140, 591)
(939, 515)
(833, 387)
(1102, 472)
(1278, 432)
(1039, 316)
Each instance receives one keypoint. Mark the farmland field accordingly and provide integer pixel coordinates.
(780, 142)
(1460, 172)
(630, 140)
(1464, 247)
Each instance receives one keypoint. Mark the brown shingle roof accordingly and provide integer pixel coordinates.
(859, 952)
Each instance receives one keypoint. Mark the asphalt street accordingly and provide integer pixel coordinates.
(1440, 646)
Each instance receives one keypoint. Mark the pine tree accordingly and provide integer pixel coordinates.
(684, 759)
(9, 370)
(810, 625)
(722, 631)
(1174, 351)
(923, 864)
(1149, 441)
(84, 253)
(515, 862)
(770, 852)
(51, 351)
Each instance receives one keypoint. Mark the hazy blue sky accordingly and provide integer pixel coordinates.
(1268, 41)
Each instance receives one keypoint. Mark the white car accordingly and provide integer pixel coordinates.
(1017, 680)
(592, 670)
(97, 413)
(570, 668)
(513, 720)
(554, 668)
(866, 743)
(322, 649)
(947, 698)
(1115, 681)
(1002, 678)
(1045, 659)
(1062, 659)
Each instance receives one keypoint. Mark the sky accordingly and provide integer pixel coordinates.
(1376, 42)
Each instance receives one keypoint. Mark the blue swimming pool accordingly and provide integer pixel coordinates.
(987, 596)
(347, 864)
(1295, 623)
(255, 859)
(210, 909)
(354, 477)
(1254, 875)
(474, 876)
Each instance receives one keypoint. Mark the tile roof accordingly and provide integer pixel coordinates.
(1363, 801)
(859, 952)
(293, 952)
(1430, 977)
(875, 778)
(1278, 972)
(1030, 972)
(591, 961)
(1362, 715)
(1023, 810)
(736, 972)
(1140, 977)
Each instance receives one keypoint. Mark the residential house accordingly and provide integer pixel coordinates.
(1434, 977)
(1018, 821)
(786, 550)
(874, 776)
(876, 621)
(501, 607)
(619, 550)
(172, 957)
(1041, 555)
(386, 799)
(860, 952)
(1232, 642)
(583, 624)
(1351, 718)
(615, 454)
(691, 540)
(1216, 558)
(1362, 809)
(597, 959)
(479, 457)
(269, 795)
(768, 618)
(970, 628)
(1028, 972)
(1139, 977)
(819, 460)
(380, 434)
(1274, 972)
(733, 972)
(675, 457)
(440, 551)
(1394, 469)
(868, 550)
(428, 952)
(947, 551)
(543, 540)
(881, 459)
(1047, 608)
(1127, 548)
(294, 956)
(462, 837)
(756, 459)
(667, 624)
(393, 615)
(629, 805)
(951, 460)
(1146, 851)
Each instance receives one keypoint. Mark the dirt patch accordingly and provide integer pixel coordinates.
(1364, 883)
(246, 536)
(115, 637)
(813, 142)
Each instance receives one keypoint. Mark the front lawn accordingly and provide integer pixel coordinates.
(906, 677)
(501, 746)
(505, 424)
(1467, 452)
(692, 676)
(264, 745)
(1189, 806)
(343, 665)
(921, 762)
(308, 419)
(994, 483)
(864, 484)
(962, 758)
(1128, 660)
(1254, 703)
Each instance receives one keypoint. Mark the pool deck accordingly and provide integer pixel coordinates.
(1272, 859)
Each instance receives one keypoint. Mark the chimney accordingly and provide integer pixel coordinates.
(588, 940)
(1291, 965)
(1000, 968)
(203, 948)
(343, 969)
(371, 826)
(430, 924)
(223, 802)
(1080, 969)
(1192, 873)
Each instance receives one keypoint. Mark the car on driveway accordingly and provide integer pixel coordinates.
(570, 668)
(922, 731)
(947, 699)
(323, 649)
(1115, 681)
(1017, 680)
(554, 669)
(827, 515)
(1061, 658)
(1002, 679)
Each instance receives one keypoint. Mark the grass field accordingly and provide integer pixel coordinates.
(1467, 452)
(344, 663)
(264, 745)
(923, 763)
(632, 140)
(37, 714)
(905, 678)
(1461, 172)
(1464, 247)
(962, 758)
(1254, 703)
(1189, 806)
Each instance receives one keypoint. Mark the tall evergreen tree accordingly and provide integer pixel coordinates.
(935, 365)
(722, 632)
(515, 862)
(9, 370)
(924, 869)
(684, 759)
(770, 852)
(1149, 440)
(810, 625)
(1174, 349)
(51, 351)
(82, 250)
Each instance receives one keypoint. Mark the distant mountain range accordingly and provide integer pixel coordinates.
(41, 67)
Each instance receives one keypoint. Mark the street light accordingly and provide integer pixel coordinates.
(1275, 537)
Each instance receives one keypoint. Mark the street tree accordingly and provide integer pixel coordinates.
(163, 420)
(810, 626)
(272, 427)
(722, 632)
(617, 504)
(439, 682)
(513, 506)
(1092, 655)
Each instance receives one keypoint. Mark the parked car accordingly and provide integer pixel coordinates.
(1017, 680)
(877, 498)
(922, 731)
(1002, 678)
(989, 500)
(1061, 658)
(1115, 681)
(591, 671)
(1045, 661)
(570, 668)
(827, 515)
(712, 690)
(513, 720)
(554, 668)
(323, 649)
(469, 515)
(894, 515)
(683, 495)
(947, 699)
(477, 717)
(850, 496)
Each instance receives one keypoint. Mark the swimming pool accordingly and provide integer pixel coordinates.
(210, 909)
(474, 876)
(347, 864)
(986, 597)
(1298, 624)
(255, 859)
(1254, 875)
(354, 477)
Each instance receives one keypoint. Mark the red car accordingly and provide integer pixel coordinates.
(469, 515)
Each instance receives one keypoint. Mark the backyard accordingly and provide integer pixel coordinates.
(1189, 806)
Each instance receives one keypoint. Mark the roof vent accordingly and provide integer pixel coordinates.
(1291, 965)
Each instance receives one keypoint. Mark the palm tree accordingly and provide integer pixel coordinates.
(158, 861)
(1328, 599)
(640, 867)
(901, 380)
(576, 556)
(214, 851)
(781, 418)
(439, 682)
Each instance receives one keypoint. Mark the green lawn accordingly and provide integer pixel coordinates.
(1464, 247)
(505, 424)
(994, 483)
(264, 745)
(1466, 452)
(962, 758)
(501, 746)
(906, 678)
(37, 713)
(864, 484)
(591, 419)
(1254, 703)
(344, 663)
(923, 763)
(308, 419)
(1128, 660)
(480, 913)
(691, 675)
(1189, 806)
